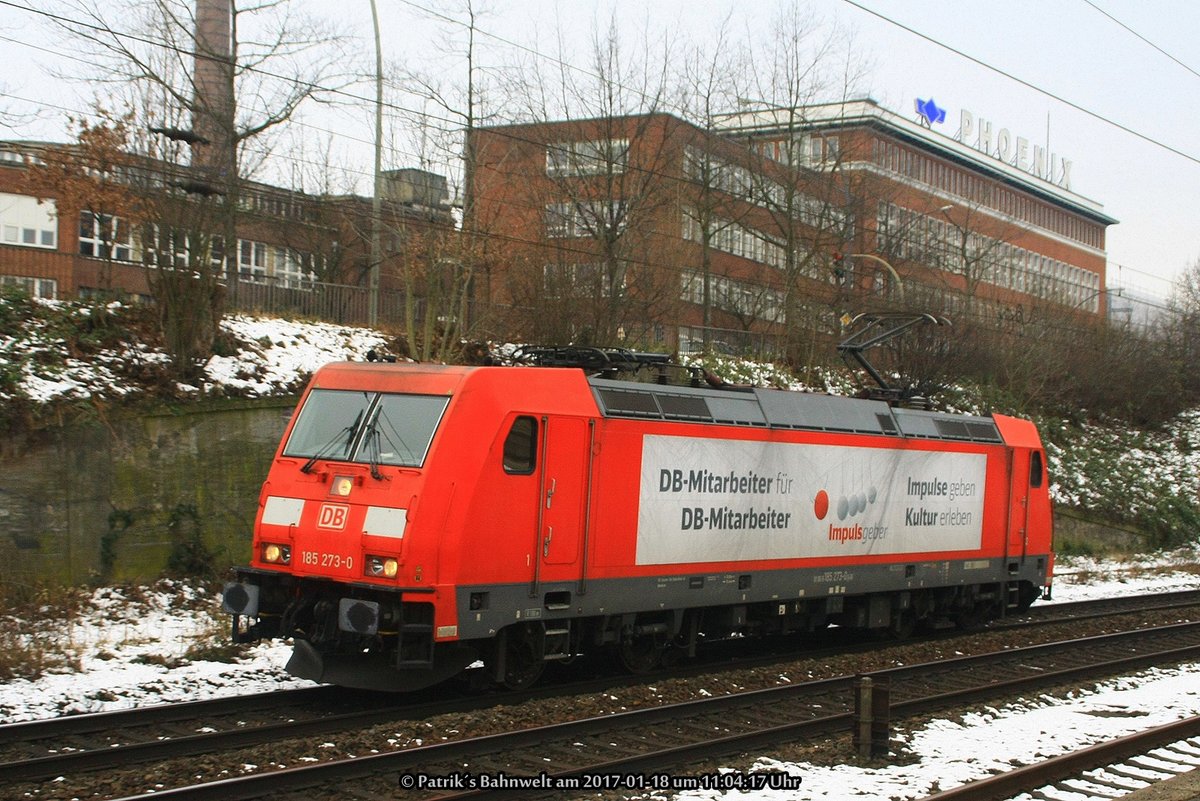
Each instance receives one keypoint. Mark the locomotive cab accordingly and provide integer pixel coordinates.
(336, 564)
(371, 515)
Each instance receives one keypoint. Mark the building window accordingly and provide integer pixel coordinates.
(260, 263)
(583, 219)
(595, 157)
(164, 248)
(293, 269)
(45, 288)
(803, 150)
(252, 261)
(730, 237)
(104, 236)
(738, 297)
(216, 252)
(27, 223)
(581, 280)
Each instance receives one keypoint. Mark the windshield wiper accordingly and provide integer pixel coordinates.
(371, 435)
(327, 448)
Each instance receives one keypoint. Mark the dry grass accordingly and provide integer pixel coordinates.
(35, 631)
(1184, 561)
(39, 630)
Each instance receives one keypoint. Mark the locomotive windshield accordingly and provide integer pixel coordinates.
(371, 427)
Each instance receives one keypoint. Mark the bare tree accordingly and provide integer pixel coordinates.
(1181, 329)
(92, 179)
(960, 246)
(717, 204)
(799, 180)
(442, 136)
(434, 262)
(10, 118)
(599, 194)
(220, 82)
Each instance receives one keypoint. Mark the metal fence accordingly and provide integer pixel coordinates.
(729, 342)
(335, 303)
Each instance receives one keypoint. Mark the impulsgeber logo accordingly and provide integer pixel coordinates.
(849, 507)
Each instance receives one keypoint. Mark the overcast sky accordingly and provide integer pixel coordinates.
(1111, 85)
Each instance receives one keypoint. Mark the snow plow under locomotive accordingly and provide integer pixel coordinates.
(418, 519)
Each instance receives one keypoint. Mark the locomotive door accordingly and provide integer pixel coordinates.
(1018, 516)
(563, 479)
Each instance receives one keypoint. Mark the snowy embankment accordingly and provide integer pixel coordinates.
(273, 356)
(142, 645)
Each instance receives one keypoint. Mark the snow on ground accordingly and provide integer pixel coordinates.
(144, 646)
(952, 752)
(136, 646)
(287, 349)
(274, 356)
(1079, 578)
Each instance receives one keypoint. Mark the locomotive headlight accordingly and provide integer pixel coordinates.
(277, 554)
(382, 566)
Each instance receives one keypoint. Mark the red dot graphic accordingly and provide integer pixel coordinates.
(821, 505)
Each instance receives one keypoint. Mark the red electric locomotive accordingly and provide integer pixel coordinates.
(418, 519)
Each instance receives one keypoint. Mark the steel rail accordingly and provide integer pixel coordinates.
(88, 722)
(1102, 607)
(458, 753)
(1031, 777)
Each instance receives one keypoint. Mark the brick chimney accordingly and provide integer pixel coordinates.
(213, 117)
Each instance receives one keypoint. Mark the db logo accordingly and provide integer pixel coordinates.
(333, 515)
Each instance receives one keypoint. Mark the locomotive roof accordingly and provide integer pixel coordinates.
(774, 408)
(751, 407)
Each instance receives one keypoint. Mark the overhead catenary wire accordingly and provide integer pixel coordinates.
(1029, 85)
(1137, 35)
(449, 122)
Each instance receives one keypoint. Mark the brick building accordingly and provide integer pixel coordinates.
(651, 228)
(294, 251)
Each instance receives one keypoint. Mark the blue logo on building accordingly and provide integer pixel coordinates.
(929, 111)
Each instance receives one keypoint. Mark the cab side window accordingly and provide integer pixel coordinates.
(1036, 471)
(520, 447)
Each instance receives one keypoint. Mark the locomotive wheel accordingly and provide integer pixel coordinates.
(641, 654)
(522, 664)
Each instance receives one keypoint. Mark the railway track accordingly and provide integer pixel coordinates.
(1101, 772)
(79, 743)
(1084, 610)
(655, 744)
